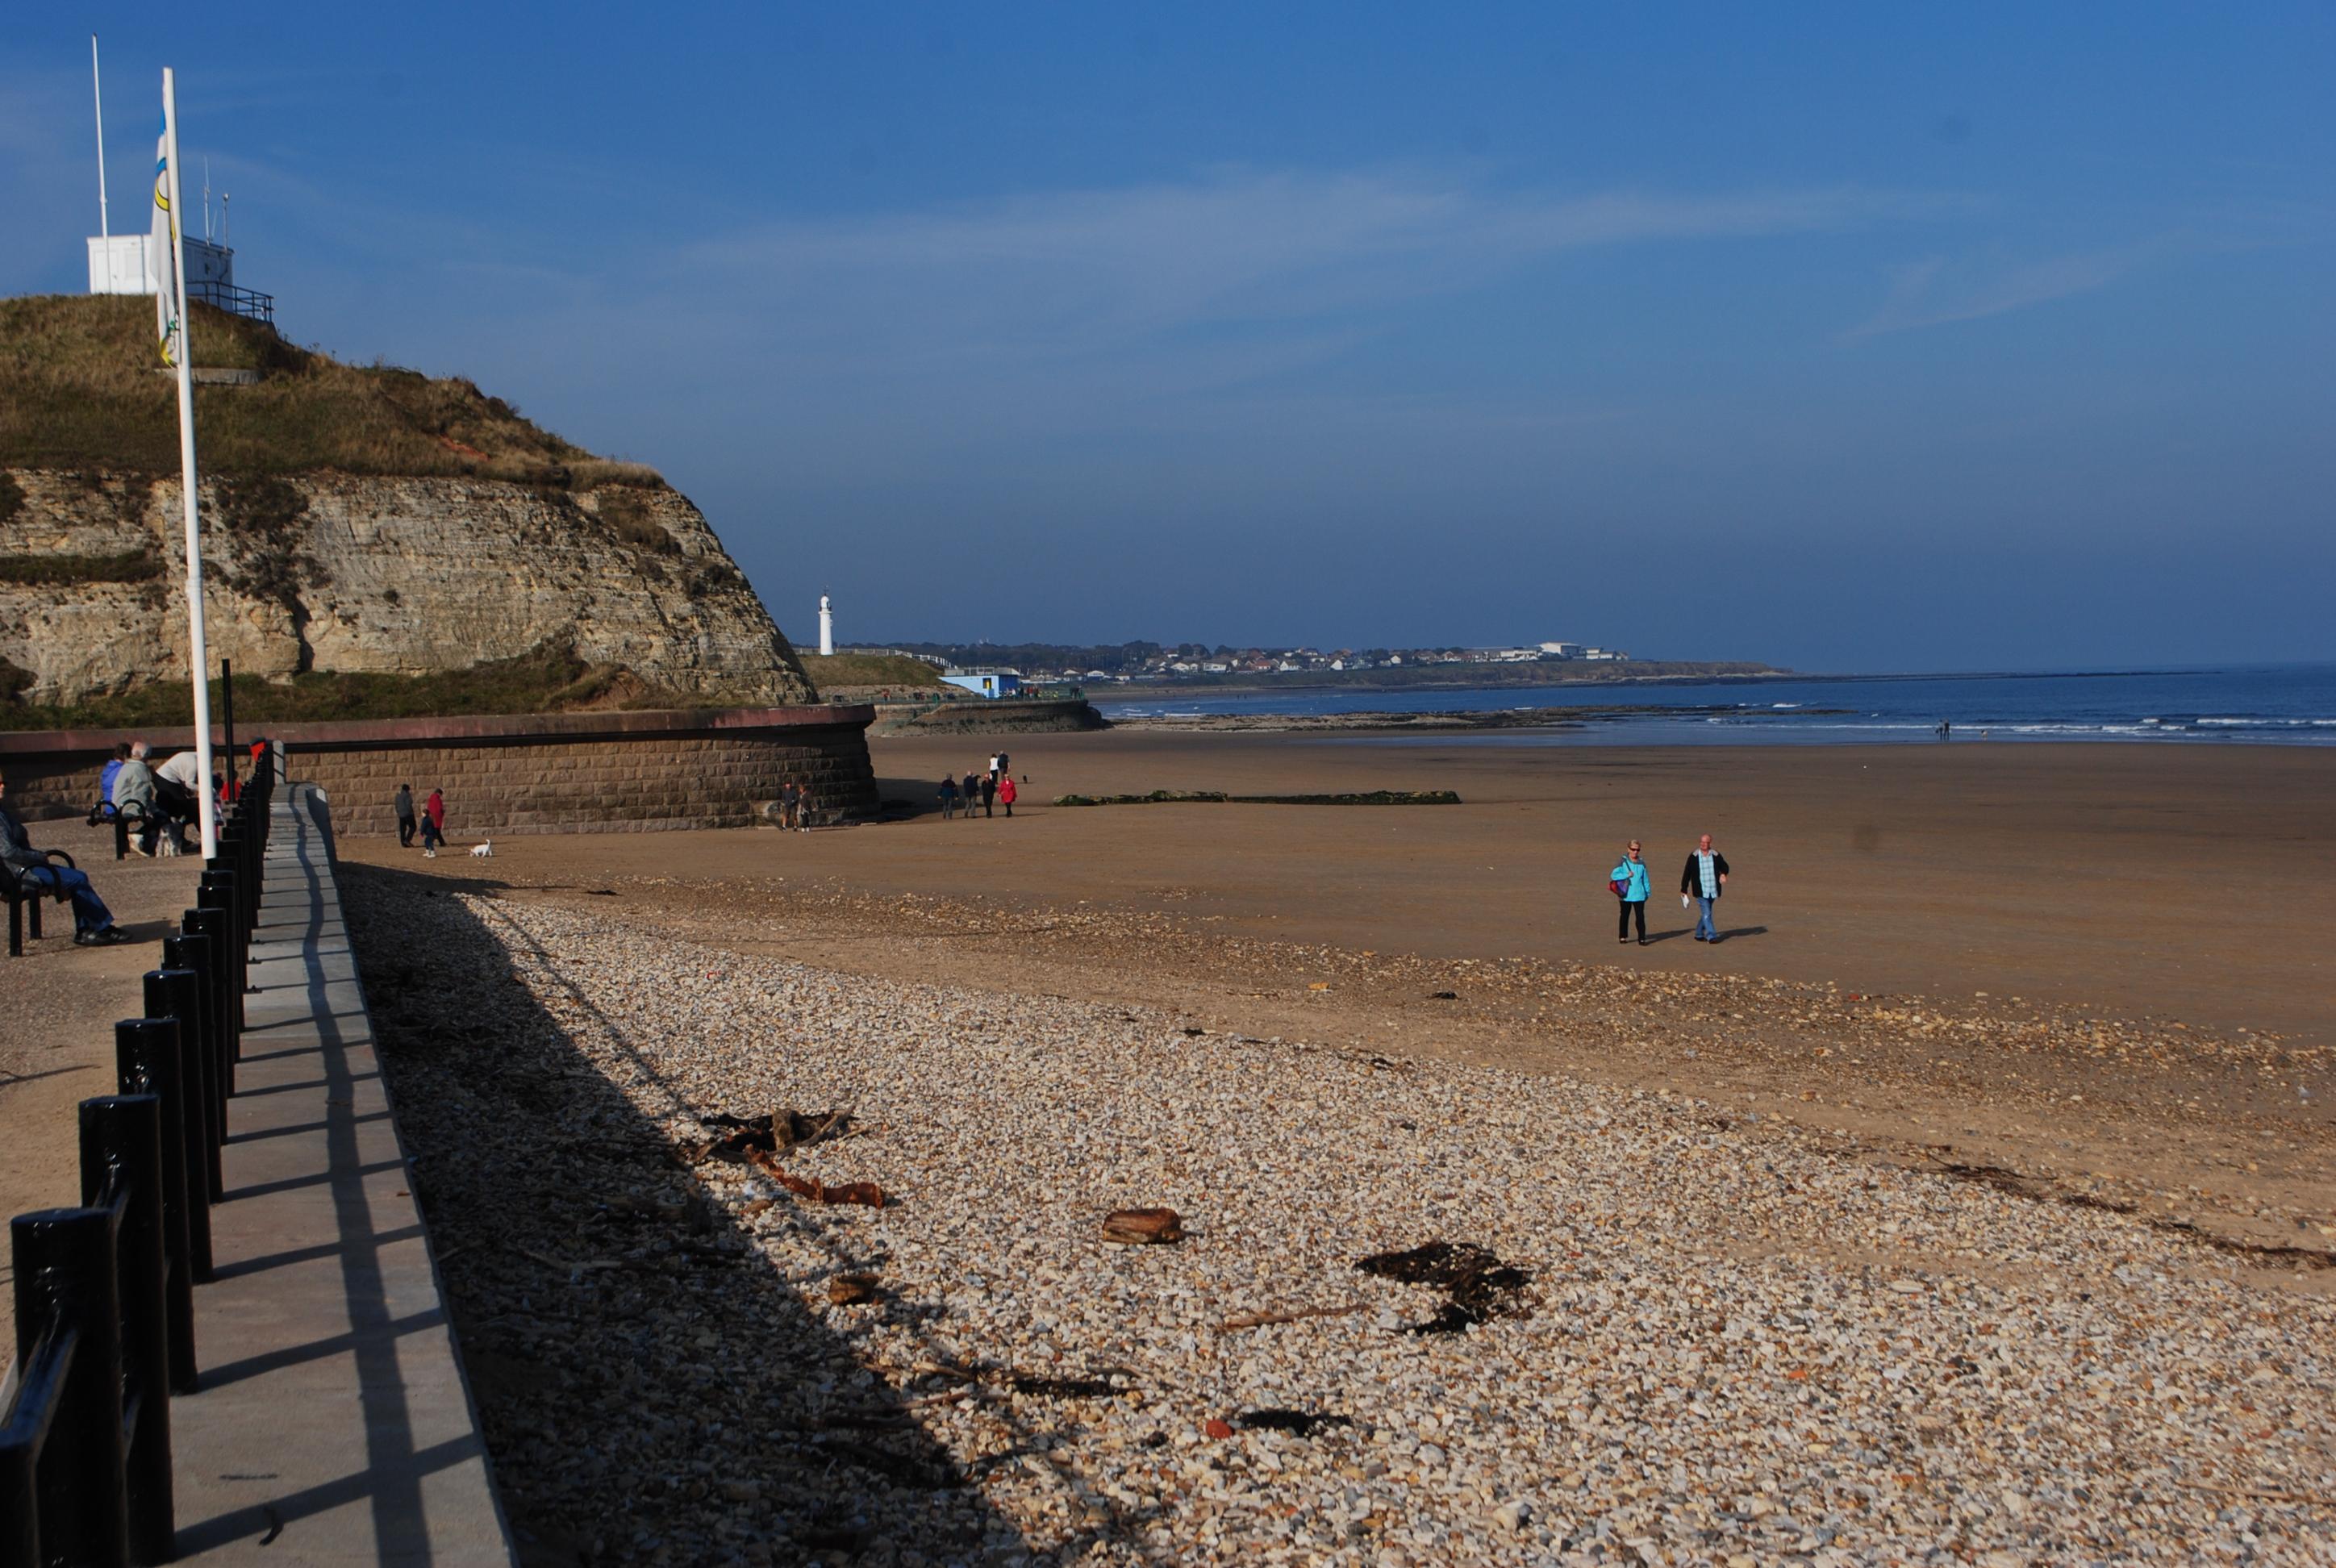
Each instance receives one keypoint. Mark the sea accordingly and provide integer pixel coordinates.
(2239, 705)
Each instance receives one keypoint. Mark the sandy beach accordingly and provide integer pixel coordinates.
(2025, 958)
(1740, 1261)
(1976, 1196)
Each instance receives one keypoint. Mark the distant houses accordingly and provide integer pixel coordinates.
(1041, 663)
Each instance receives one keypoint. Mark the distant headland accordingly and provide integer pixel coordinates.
(1134, 668)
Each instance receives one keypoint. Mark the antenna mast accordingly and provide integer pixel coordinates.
(104, 229)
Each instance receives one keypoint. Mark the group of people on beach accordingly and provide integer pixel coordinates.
(989, 790)
(163, 798)
(797, 808)
(431, 827)
(1701, 882)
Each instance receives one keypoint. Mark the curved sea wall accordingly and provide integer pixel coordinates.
(989, 716)
(638, 772)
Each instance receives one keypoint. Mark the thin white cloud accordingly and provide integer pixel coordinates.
(1937, 290)
(1086, 270)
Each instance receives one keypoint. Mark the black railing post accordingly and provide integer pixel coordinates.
(212, 923)
(235, 854)
(226, 721)
(20, 1497)
(192, 952)
(65, 1276)
(218, 892)
(146, 1052)
(122, 1162)
(177, 993)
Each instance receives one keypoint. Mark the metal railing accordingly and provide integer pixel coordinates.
(245, 302)
(104, 1293)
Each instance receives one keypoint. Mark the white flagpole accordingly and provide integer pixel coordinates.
(104, 228)
(198, 654)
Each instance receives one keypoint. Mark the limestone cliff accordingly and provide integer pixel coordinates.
(358, 522)
(330, 571)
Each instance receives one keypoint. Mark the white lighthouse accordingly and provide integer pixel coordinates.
(826, 627)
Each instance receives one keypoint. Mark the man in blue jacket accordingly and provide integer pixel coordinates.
(94, 924)
(1704, 879)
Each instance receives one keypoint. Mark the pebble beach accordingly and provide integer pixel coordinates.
(1715, 1339)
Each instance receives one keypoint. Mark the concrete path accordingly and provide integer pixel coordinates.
(333, 1425)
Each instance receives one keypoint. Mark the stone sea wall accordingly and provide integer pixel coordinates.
(989, 716)
(532, 774)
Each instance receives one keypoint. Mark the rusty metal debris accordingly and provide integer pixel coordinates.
(1144, 1227)
(864, 1193)
(1477, 1284)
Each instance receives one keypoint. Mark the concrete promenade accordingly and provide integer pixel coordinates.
(332, 1424)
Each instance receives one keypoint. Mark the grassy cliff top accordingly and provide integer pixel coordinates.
(85, 389)
(834, 671)
(548, 679)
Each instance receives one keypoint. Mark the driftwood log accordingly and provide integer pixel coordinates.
(1143, 1227)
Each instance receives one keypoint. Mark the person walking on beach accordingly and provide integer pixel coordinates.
(972, 790)
(433, 823)
(790, 803)
(988, 793)
(404, 803)
(1007, 792)
(1704, 878)
(948, 796)
(1630, 885)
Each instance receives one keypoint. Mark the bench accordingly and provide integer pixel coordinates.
(24, 893)
(122, 816)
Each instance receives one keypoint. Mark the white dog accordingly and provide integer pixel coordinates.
(484, 850)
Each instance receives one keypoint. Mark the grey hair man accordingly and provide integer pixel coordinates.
(1704, 878)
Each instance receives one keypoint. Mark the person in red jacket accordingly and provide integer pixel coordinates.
(433, 823)
(1007, 792)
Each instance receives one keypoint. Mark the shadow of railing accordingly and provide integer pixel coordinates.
(647, 1383)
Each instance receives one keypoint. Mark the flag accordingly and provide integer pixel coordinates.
(162, 249)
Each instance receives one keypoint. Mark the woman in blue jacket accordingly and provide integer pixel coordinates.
(1629, 881)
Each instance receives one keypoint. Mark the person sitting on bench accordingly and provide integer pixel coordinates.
(133, 786)
(94, 924)
(179, 791)
(104, 811)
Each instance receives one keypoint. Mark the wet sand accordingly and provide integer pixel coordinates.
(2187, 882)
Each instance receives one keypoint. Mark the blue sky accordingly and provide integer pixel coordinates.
(1856, 337)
